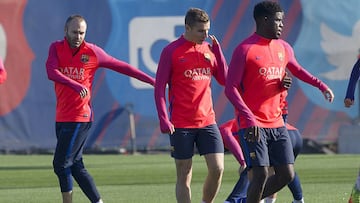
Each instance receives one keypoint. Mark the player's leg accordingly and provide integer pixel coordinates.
(296, 190)
(238, 194)
(283, 175)
(257, 159)
(296, 141)
(257, 184)
(183, 180)
(281, 158)
(78, 171)
(61, 161)
(295, 184)
(67, 197)
(215, 165)
(355, 193)
(240, 189)
(85, 181)
(182, 144)
(270, 198)
(209, 143)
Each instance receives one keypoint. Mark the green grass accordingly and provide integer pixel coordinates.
(150, 178)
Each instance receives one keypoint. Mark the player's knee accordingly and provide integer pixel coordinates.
(260, 174)
(216, 171)
(57, 169)
(60, 169)
(287, 176)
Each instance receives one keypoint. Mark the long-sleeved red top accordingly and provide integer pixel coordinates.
(3, 74)
(254, 80)
(73, 70)
(229, 133)
(187, 68)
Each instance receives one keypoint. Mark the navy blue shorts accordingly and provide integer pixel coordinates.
(207, 140)
(273, 149)
(296, 141)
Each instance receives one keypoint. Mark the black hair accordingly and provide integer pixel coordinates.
(195, 15)
(265, 9)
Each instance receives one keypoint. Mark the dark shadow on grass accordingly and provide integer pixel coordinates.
(6, 168)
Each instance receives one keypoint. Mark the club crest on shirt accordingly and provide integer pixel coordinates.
(207, 56)
(84, 58)
(281, 56)
(252, 155)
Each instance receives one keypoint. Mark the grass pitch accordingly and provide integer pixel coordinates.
(151, 178)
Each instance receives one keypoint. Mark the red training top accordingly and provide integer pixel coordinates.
(187, 68)
(254, 83)
(73, 70)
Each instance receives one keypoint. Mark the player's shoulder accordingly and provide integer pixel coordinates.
(284, 43)
(57, 43)
(249, 41)
(245, 44)
(176, 43)
(91, 45)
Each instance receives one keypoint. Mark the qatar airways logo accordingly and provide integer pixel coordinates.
(198, 73)
(73, 72)
(271, 72)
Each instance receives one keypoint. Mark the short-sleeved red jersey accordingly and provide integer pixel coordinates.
(187, 69)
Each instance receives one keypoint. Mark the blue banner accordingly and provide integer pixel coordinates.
(135, 31)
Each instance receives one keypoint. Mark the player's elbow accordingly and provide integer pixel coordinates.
(228, 91)
(50, 76)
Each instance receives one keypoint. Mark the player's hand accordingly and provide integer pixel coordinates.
(348, 102)
(252, 134)
(167, 128)
(214, 40)
(171, 129)
(242, 168)
(84, 92)
(286, 81)
(329, 95)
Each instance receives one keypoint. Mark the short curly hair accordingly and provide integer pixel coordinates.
(266, 8)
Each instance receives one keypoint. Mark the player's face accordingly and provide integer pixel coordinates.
(75, 32)
(275, 25)
(197, 33)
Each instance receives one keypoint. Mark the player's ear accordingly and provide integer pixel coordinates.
(187, 28)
